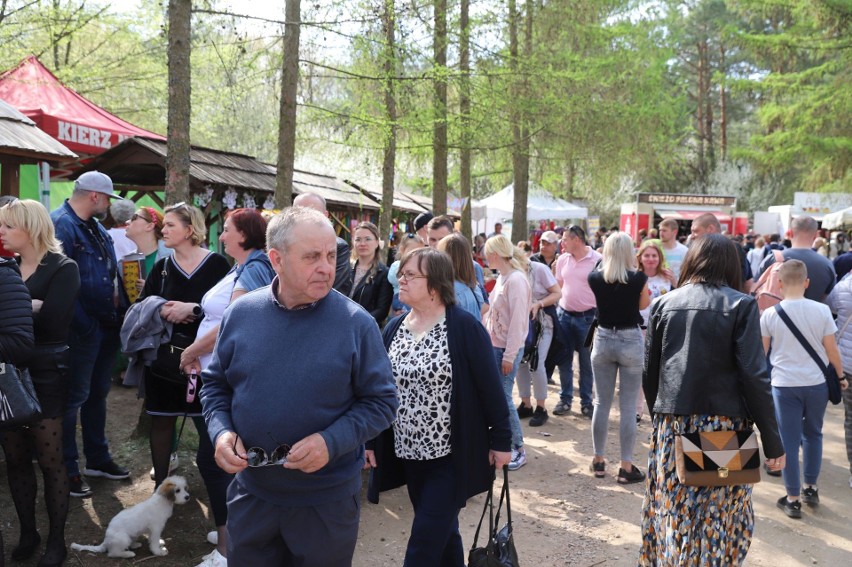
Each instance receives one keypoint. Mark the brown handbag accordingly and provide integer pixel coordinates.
(717, 458)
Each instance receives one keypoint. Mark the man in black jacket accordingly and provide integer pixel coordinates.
(342, 279)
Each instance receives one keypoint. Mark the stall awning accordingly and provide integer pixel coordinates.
(692, 215)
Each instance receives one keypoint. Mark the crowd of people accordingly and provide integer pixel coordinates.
(414, 365)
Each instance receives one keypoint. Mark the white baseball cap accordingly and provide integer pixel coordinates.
(550, 236)
(97, 182)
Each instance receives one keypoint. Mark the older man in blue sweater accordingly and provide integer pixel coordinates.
(301, 365)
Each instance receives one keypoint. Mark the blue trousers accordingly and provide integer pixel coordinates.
(800, 412)
(93, 357)
(261, 534)
(508, 385)
(574, 331)
(435, 539)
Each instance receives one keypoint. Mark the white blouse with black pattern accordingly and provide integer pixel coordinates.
(424, 380)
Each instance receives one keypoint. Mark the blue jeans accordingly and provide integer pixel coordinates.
(574, 331)
(508, 385)
(92, 359)
(621, 353)
(800, 412)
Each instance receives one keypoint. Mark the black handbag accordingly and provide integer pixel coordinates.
(19, 404)
(500, 549)
(167, 364)
(831, 378)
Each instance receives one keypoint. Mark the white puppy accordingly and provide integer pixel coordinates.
(146, 518)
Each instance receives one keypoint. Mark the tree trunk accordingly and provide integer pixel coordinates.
(699, 115)
(177, 140)
(464, 112)
(723, 108)
(287, 115)
(388, 169)
(520, 127)
(439, 137)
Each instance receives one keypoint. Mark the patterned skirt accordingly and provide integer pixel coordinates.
(690, 525)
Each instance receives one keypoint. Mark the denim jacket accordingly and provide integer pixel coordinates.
(88, 244)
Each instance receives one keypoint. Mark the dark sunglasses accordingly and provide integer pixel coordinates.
(257, 457)
(138, 216)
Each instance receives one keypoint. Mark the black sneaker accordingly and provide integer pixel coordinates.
(587, 411)
(810, 496)
(598, 468)
(524, 411)
(78, 487)
(792, 509)
(771, 472)
(635, 475)
(539, 417)
(108, 470)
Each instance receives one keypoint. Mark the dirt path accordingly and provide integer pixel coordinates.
(563, 516)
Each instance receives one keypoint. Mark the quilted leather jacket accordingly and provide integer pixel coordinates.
(704, 356)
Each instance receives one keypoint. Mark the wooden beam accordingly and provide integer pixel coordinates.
(10, 177)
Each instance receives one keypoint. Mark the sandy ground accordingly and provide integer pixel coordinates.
(562, 514)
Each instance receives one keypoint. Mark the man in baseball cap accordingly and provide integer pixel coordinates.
(93, 338)
(548, 248)
(97, 182)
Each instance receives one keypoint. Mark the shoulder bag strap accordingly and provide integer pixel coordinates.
(802, 340)
(504, 493)
(489, 505)
(163, 276)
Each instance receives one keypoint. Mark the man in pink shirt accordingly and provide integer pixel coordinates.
(575, 314)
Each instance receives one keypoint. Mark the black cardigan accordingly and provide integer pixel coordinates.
(479, 415)
(374, 293)
(16, 315)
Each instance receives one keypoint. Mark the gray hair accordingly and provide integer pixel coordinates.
(121, 211)
(279, 232)
(804, 224)
(309, 200)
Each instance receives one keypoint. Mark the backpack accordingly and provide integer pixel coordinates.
(767, 291)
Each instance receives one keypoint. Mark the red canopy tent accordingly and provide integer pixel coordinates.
(79, 124)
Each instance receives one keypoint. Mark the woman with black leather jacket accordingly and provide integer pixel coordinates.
(16, 323)
(371, 288)
(52, 281)
(704, 371)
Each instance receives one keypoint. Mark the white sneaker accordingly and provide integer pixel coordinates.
(213, 537)
(214, 559)
(174, 463)
(519, 459)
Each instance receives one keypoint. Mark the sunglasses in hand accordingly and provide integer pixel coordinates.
(257, 457)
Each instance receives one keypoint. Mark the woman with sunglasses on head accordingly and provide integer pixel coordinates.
(452, 422)
(244, 239)
(370, 286)
(145, 230)
(508, 324)
(408, 243)
(705, 370)
(53, 281)
(182, 280)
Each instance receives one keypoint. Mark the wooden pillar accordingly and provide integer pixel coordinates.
(10, 177)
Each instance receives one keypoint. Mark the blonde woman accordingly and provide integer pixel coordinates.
(370, 286)
(507, 322)
(621, 292)
(661, 279)
(53, 281)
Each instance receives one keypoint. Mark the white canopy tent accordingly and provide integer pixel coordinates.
(839, 219)
(541, 205)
